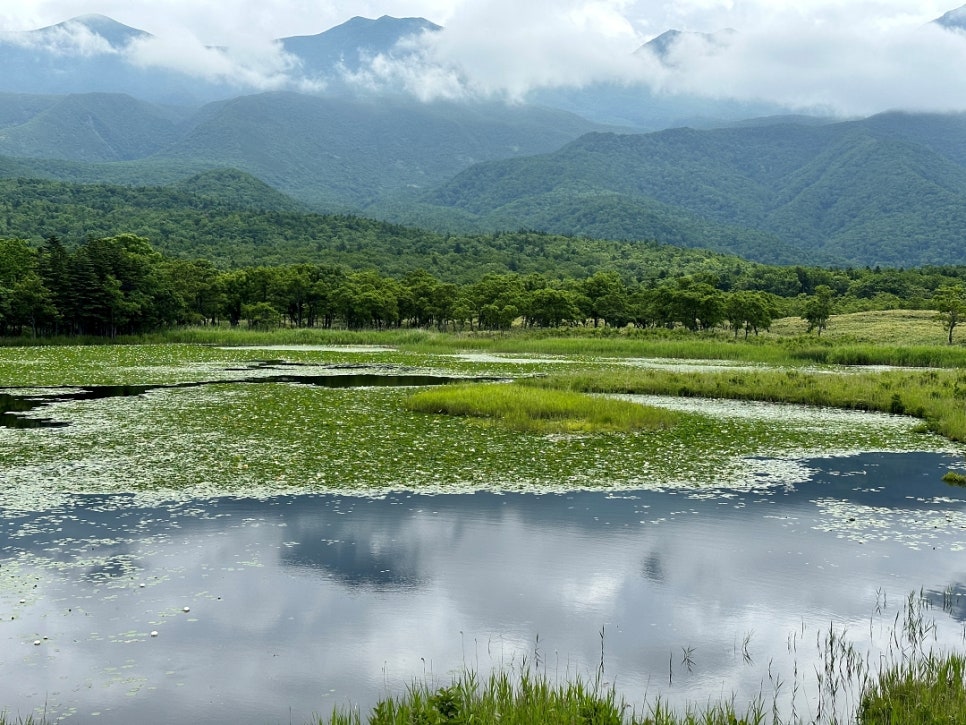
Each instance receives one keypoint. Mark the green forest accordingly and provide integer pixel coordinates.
(122, 285)
(222, 247)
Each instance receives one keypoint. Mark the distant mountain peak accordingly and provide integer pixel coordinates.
(115, 33)
(954, 19)
(663, 44)
(349, 43)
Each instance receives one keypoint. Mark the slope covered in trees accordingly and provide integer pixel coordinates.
(234, 220)
(886, 190)
(336, 153)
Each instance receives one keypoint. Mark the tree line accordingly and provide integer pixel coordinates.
(121, 285)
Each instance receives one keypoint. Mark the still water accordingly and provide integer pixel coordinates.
(272, 610)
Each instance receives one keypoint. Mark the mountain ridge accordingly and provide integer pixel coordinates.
(849, 193)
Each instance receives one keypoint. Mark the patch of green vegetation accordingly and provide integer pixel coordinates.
(541, 410)
(932, 395)
(926, 691)
(6, 719)
(955, 479)
(910, 685)
(531, 699)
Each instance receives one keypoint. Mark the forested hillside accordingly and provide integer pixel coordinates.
(888, 190)
(333, 153)
(223, 246)
(232, 219)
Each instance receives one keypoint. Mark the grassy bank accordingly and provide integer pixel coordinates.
(921, 691)
(906, 683)
(536, 410)
(935, 396)
(892, 337)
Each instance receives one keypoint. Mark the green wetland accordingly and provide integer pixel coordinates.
(261, 533)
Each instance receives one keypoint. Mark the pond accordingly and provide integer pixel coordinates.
(270, 609)
(197, 533)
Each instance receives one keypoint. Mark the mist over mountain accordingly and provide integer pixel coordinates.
(675, 78)
(361, 57)
(954, 19)
(386, 118)
(353, 44)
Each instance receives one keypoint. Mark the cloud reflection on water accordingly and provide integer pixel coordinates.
(313, 601)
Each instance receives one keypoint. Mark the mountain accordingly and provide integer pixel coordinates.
(639, 107)
(664, 45)
(88, 127)
(887, 190)
(347, 153)
(331, 152)
(93, 53)
(352, 43)
(954, 19)
(116, 34)
(88, 54)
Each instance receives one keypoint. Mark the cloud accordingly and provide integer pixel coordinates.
(852, 70)
(843, 58)
(65, 39)
(505, 48)
(261, 66)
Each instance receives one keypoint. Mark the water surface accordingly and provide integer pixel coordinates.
(297, 604)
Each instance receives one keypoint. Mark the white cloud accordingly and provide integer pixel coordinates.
(849, 69)
(70, 39)
(262, 66)
(852, 56)
(843, 57)
(506, 48)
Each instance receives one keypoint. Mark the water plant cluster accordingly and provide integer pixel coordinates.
(264, 438)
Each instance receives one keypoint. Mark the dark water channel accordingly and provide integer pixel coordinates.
(14, 405)
(301, 603)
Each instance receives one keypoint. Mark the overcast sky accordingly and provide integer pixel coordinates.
(849, 56)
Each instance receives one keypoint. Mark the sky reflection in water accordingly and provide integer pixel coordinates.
(301, 603)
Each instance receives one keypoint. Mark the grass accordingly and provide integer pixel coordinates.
(535, 410)
(913, 686)
(926, 691)
(6, 719)
(500, 699)
(935, 396)
(955, 479)
(888, 337)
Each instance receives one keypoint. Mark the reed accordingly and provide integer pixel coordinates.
(905, 684)
(924, 690)
(526, 700)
